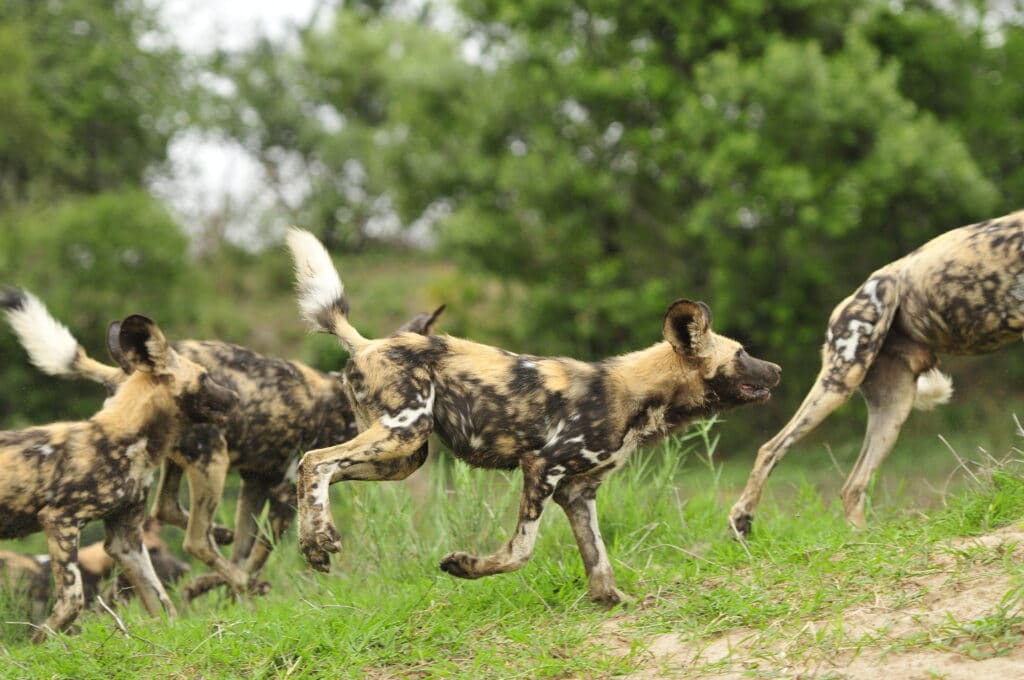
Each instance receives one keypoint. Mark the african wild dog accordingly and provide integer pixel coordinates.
(58, 477)
(31, 573)
(564, 423)
(960, 293)
(285, 407)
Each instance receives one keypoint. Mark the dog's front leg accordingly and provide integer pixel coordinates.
(539, 481)
(381, 452)
(577, 496)
(124, 543)
(62, 544)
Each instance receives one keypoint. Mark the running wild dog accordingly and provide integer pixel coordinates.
(565, 423)
(58, 477)
(285, 407)
(960, 293)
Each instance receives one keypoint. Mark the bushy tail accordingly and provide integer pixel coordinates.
(51, 347)
(934, 388)
(321, 293)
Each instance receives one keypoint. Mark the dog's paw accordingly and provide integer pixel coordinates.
(259, 587)
(222, 535)
(459, 564)
(611, 597)
(740, 525)
(318, 548)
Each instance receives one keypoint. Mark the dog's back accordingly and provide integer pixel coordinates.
(964, 290)
(264, 430)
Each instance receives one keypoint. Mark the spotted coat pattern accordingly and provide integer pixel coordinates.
(284, 408)
(59, 477)
(564, 423)
(960, 293)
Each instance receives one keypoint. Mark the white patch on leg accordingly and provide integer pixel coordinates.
(526, 538)
(604, 565)
(409, 416)
(871, 288)
(846, 347)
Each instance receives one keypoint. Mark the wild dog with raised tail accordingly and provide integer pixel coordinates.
(960, 293)
(59, 477)
(284, 408)
(565, 423)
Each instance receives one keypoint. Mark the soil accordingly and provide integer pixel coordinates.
(918, 631)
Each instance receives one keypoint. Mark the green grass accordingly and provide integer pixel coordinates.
(387, 611)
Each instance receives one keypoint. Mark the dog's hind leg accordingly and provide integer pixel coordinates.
(124, 543)
(279, 518)
(889, 390)
(62, 545)
(856, 332)
(539, 481)
(206, 461)
(577, 497)
(252, 495)
(390, 449)
(167, 506)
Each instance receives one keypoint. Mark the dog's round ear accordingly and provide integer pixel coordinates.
(687, 326)
(422, 323)
(114, 346)
(428, 327)
(143, 345)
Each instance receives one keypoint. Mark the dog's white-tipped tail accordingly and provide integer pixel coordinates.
(50, 346)
(934, 388)
(321, 293)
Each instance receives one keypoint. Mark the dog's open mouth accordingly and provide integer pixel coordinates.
(754, 392)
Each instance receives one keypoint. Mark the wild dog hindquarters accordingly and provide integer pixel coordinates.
(564, 423)
(960, 293)
(856, 332)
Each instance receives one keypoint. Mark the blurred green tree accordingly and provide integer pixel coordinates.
(603, 158)
(92, 93)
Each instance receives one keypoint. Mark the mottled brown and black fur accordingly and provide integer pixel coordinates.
(284, 408)
(58, 477)
(960, 293)
(30, 574)
(565, 423)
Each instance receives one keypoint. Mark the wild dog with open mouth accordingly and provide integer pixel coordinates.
(284, 408)
(31, 573)
(960, 293)
(58, 477)
(564, 423)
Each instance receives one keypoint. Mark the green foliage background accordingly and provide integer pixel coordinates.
(557, 172)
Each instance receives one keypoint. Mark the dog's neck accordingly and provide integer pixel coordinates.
(142, 408)
(660, 382)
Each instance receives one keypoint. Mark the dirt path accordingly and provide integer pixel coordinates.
(943, 623)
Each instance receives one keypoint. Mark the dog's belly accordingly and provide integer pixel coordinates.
(485, 448)
(15, 524)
